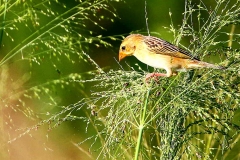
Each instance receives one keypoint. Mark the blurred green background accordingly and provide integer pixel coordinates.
(34, 64)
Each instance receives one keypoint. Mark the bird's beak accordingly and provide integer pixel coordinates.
(121, 55)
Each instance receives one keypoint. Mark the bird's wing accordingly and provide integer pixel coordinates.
(160, 46)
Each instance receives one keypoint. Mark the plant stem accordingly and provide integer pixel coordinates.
(231, 35)
(141, 127)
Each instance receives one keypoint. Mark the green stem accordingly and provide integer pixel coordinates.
(231, 35)
(3, 22)
(141, 127)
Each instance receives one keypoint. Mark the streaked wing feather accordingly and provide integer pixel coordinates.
(160, 46)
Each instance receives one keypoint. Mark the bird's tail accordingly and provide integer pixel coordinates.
(201, 64)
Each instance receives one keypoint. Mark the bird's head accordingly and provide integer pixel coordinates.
(128, 46)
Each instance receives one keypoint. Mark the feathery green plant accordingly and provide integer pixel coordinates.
(183, 117)
(42, 42)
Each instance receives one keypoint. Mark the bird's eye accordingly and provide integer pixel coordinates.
(123, 48)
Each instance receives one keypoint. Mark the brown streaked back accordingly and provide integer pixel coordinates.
(160, 46)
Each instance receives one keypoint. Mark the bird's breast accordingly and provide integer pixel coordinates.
(155, 60)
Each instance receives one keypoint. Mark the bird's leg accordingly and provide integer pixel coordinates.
(155, 75)
(150, 75)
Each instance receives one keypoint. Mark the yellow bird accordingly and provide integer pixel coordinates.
(158, 53)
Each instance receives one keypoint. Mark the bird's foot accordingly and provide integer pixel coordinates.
(155, 75)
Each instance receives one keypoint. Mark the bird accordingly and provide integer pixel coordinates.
(159, 53)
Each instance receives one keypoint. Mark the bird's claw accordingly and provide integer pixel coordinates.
(154, 75)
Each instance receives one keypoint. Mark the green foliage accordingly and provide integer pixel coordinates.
(52, 37)
(189, 116)
(42, 44)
